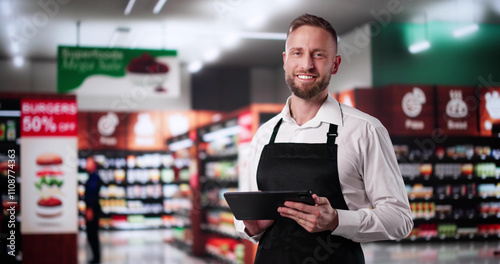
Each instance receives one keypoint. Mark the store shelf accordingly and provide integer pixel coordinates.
(453, 187)
(226, 231)
(139, 187)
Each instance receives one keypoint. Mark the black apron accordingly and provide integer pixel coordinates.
(301, 166)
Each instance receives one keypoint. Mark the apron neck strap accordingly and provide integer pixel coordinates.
(331, 135)
(275, 131)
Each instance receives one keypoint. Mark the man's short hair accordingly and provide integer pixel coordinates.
(312, 20)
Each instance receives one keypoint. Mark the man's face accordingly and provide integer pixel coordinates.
(309, 61)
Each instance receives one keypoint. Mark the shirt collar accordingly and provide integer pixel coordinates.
(330, 112)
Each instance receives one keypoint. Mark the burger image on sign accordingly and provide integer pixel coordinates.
(49, 182)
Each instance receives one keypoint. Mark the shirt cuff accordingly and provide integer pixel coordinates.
(240, 229)
(349, 224)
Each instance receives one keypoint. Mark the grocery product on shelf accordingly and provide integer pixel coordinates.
(140, 190)
(451, 182)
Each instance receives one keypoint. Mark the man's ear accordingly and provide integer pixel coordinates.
(336, 64)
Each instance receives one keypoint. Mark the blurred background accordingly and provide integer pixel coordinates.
(165, 95)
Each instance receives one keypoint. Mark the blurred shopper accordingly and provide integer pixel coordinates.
(345, 157)
(93, 210)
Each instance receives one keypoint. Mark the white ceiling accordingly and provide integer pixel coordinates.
(193, 27)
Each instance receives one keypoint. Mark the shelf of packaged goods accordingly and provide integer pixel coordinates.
(435, 160)
(470, 237)
(454, 198)
(454, 179)
(140, 226)
(212, 207)
(459, 219)
(222, 157)
(182, 212)
(225, 231)
(223, 183)
(221, 259)
(183, 245)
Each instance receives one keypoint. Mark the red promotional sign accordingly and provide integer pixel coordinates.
(245, 122)
(48, 117)
(408, 109)
(457, 110)
(348, 98)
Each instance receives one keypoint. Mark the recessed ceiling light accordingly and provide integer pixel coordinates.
(18, 61)
(255, 21)
(231, 40)
(6, 8)
(211, 55)
(15, 47)
(195, 66)
(420, 46)
(129, 7)
(463, 31)
(159, 6)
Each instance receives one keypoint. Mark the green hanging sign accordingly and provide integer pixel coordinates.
(112, 71)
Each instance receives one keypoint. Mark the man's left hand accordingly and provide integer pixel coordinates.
(313, 218)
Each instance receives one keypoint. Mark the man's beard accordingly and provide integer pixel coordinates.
(309, 91)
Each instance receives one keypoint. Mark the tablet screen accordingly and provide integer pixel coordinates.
(263, 205)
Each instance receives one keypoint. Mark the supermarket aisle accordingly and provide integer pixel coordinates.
(136, 246)
(482, 252)
(148, 246)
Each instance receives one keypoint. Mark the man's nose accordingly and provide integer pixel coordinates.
(307, 62)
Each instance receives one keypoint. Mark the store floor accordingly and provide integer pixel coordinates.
(148, 246)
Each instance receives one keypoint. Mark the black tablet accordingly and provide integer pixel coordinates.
(263, 205)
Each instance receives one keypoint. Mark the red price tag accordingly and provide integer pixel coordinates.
(48, 117)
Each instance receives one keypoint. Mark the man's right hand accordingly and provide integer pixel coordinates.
(255, 227)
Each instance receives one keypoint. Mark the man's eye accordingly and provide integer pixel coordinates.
(321, 55)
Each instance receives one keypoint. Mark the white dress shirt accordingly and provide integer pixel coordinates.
(369, 175)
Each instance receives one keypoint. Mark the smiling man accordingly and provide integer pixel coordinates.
(345, 157)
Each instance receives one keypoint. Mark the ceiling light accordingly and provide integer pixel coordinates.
(129, 7)
(263, 35)
(463, 31)
(231, 40)
(211, 55)
(195, 66)
(6, 8)
(255, 22)
(420, 46)
(159, 6)
(424, 44)
(18, 61)
(15, 47)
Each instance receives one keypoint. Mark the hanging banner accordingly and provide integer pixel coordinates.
(120, 72)
(49, 166)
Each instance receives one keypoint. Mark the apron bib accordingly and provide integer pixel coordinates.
(301, 166)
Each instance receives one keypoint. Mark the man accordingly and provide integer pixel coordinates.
(345, 157)
(93, 211)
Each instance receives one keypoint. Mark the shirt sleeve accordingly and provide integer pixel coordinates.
(248, 182)
(390, 217)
